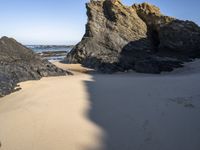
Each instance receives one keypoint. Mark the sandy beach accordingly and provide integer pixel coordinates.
(49, 114)
(104, 112)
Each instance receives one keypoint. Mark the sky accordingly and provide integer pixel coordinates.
(62, 22)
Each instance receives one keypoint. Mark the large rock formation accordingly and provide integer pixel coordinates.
(18, 63)
(139, 37)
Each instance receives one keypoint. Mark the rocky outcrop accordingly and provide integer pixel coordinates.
(173, 35)
(110, 27)
(18, 63)
(152, 16)
(139, 37)
(182, 37)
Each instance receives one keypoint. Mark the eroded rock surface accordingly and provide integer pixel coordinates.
(110, 27)
(137, 37)
(18, 63)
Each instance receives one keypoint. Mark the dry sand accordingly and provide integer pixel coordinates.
(75, 68)
(106, 112)
(50, 114)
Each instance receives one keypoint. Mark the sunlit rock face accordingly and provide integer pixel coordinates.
(137, 37)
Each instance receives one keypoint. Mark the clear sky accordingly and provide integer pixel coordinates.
(63, 21)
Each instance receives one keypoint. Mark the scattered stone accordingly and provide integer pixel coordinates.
(186, 102)
(189, 105)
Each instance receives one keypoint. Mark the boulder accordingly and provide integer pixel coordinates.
(18, 63)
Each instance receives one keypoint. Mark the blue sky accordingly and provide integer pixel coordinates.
(63, 21)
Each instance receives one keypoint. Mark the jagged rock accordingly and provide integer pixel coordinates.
(139, 37)
(18, 63)
(110, 27)
(172, 34)
(152, 16)
(181, 37)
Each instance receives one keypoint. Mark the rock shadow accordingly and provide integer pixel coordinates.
(134, 113)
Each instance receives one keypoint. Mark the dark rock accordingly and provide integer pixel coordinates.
(147, 67)
(156, 65)
(18, 63)
(180, 36)
(110, 27)
(121, 38)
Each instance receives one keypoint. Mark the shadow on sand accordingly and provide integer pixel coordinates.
(139, 112)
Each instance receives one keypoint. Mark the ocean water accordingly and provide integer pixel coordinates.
(60, 51)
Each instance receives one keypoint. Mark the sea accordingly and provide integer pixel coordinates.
(52, 52)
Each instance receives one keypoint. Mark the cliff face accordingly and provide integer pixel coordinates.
(138, 37)
(18, 63)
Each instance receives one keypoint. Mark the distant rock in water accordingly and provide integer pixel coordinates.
(18, 63)
(51, 52)
(139, 37)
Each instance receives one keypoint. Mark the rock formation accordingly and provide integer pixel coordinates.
(18, 63)
(139, 37)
